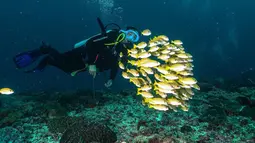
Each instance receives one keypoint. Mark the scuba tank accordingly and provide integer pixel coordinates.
(81, 43)
(103, 32)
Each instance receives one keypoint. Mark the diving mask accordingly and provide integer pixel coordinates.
(131, 35)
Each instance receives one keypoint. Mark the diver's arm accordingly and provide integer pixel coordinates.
(124, 58)
(91, 53)
(94, 46)
(114, 71)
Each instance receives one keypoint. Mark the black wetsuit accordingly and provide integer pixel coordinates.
(94, 52)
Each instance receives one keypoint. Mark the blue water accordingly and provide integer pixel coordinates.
(218, 33)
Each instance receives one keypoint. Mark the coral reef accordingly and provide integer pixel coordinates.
(214, 116)
(60, 124)
(84, 132)
(8, 134)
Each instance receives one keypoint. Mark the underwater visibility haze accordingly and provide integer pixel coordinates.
(126, 71)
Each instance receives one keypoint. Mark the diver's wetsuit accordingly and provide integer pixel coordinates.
(94, 52)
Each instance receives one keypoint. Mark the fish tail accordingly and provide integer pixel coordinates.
(155, 83)
(143, 103)
(146, 100)
(150, 106)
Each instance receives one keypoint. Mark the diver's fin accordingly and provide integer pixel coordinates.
(26, 58)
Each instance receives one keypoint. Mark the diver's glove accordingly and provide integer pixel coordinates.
(108, 83)
(93, 70)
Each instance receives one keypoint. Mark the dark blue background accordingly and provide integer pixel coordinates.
(218, 33)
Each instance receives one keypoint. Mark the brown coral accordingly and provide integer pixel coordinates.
(85, 132)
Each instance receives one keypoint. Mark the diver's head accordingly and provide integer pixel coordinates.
(131, 34)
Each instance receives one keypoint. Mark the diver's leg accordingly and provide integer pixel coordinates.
(68, 62)
(53, 57)
(55, 60)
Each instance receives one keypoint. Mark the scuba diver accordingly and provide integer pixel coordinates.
(95, 54)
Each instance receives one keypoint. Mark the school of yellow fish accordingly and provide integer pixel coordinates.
(162, 72)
